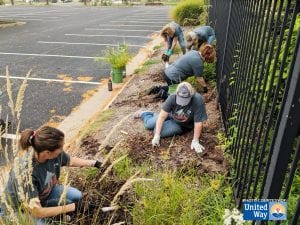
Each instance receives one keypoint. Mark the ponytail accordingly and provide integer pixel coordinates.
(45, 138)
(208, 52)
(26, 138)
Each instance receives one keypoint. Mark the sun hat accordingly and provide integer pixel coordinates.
(184, 93)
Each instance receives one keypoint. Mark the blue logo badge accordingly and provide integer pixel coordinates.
(264, 209)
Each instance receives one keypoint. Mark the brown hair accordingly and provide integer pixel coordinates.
(208, 52)
(44, 138)
(167, 30)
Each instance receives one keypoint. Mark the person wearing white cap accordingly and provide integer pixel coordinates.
(181, 112)
(196, 37)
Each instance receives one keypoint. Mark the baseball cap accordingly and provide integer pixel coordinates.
(184, 94)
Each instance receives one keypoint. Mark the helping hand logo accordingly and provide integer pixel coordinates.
(277, 211)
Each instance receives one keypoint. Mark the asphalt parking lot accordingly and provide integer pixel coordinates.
(59, 45)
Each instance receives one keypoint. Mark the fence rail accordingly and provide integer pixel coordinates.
(258, 82)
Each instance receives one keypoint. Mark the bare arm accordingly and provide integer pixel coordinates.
(38, 211)
(197, 130)
(77, 162)
(165, 42)
(160, 121)
(174, 43)
(201, 81)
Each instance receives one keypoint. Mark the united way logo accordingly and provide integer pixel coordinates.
(264, 209)
(277, 211)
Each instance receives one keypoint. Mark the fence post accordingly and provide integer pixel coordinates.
(287, 131)
(225, 47)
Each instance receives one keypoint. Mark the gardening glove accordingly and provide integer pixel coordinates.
(169, 52)
(205, 90)
(98, 164)
(196, 146)
(155, 140)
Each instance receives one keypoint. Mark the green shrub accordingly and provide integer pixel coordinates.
(117, 57)
(188, 12)
(2, 2)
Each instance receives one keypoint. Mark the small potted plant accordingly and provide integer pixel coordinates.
(117, 57)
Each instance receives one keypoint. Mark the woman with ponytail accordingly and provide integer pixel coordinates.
(33, 182)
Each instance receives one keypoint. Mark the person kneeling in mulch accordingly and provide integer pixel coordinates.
(190, 64)
(180, 113)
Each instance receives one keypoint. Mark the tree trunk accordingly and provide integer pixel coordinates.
(12, 2)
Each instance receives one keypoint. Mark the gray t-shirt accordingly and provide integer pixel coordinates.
(187, 115)
(187, 65)
(44, 176)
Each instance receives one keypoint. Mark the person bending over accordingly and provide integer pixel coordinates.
(181, 112)
(172, 33)
(198, 36)
(190, 64)
(33, 181)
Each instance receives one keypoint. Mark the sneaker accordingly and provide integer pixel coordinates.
(154, 90)
(162, 94)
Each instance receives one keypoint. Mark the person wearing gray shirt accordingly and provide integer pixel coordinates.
(180, 113)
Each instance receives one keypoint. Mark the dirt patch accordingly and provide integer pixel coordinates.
(174, 153)
(138, 140)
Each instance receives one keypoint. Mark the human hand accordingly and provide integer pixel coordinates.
(197, 146)
(156, 140)
(98, 164)
(169, 52)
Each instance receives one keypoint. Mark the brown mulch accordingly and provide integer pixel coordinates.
(174, 153)
(138, 140)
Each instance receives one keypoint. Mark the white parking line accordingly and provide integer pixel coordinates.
(45, 55)
(53, 80)
(128, 25)
(118, 29)
(106, 35)
(150, 19)
(85, 43)
(32, 17)
(9, 136)
(131, 21)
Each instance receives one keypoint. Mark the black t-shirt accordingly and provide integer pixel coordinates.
(44, 176)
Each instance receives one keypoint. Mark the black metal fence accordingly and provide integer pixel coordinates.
(258, 82)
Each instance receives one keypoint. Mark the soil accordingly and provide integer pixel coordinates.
(174, 153)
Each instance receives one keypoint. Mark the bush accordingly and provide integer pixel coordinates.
(117, 57)
(189, 12)
(2, 2)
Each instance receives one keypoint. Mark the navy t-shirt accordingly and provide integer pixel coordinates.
(44, 176)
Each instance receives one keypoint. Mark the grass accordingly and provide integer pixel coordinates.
(97, 123)
(179, 199)
(146, 65)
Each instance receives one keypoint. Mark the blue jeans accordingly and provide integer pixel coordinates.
(169, 129)
(180, 40)
(73, 195)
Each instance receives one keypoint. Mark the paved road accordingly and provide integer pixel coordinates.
(60, 43)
